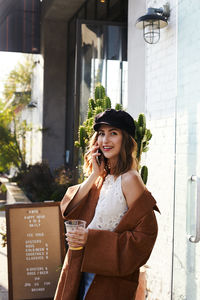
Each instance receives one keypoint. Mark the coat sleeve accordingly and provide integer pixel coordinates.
(119, 254)
(68, 197)
(76, 211)
(81, 210)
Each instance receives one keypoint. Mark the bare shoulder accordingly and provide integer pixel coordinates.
(132, 178)
(132, 186)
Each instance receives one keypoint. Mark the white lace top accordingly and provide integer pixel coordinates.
(111, 205)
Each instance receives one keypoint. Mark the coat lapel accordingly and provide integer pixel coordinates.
(86, 207)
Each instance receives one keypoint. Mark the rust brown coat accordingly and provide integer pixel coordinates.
(115, 257)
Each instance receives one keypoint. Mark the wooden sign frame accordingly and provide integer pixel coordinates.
(13, 210)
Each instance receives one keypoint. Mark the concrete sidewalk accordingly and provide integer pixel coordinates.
(3, 262)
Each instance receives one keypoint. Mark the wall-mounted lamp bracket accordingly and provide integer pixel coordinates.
(151, 23)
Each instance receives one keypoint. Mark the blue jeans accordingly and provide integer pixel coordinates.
(85, 283)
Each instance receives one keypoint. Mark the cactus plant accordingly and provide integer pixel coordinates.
(144, 174)
(98, 105)
(106, 102)
(118, 106)
(142, 137)
(99, 92)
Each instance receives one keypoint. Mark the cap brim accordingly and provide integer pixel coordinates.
(96, 126)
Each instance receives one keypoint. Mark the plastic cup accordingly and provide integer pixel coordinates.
(73, 225)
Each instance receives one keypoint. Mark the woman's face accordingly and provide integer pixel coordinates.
(110, 141)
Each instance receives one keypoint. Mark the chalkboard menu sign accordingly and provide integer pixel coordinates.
(36, 249)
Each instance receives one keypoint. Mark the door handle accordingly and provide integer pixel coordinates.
(196, 238)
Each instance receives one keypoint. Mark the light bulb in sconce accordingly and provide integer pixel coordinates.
(152, 22)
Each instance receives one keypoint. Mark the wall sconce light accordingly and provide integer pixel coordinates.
(151, 23)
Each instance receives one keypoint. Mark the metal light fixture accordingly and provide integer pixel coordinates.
(151, 23)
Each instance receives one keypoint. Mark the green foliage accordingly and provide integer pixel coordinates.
(144, 174)
(98, 105)
(10, 152)
(106, 102)
(3, 238)
(17, 94)
(95, 106)
(18, 83)
(118, 106)
(100, 92)
(142, 137)
(40, 184)
(3, 188)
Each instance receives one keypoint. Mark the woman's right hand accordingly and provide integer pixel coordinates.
(85, 187)
(98, 170)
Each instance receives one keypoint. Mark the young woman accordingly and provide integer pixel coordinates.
(119, 211)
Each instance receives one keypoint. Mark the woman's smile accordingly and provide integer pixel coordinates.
(107, 148)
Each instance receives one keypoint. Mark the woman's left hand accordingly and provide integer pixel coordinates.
(77, 238)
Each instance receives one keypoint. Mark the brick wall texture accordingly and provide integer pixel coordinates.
(161, 91)
(172, 108)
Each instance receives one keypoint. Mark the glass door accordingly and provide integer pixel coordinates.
(186, 248)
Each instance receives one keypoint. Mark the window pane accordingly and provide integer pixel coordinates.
(101, 62)
(114, 81)
(92, 63)
(125, 84)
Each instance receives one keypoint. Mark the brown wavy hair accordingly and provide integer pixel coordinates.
(127, 156)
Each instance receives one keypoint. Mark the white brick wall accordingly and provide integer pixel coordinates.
(160, 98)
(161, 90)
(171, 79)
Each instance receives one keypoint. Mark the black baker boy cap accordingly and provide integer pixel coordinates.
(116, 118)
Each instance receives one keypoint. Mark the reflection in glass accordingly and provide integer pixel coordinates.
(101, 58)
(186, 255)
